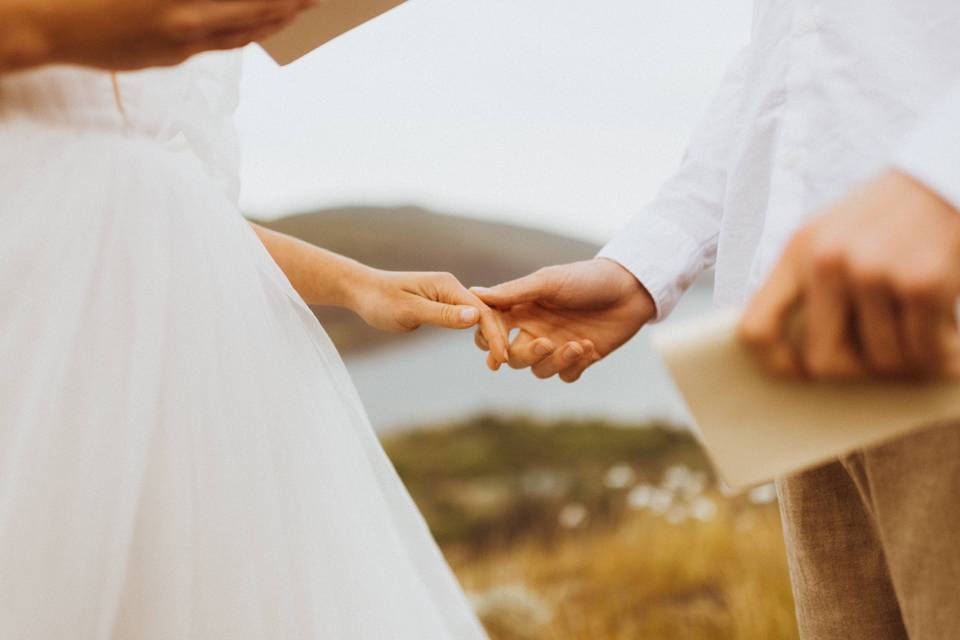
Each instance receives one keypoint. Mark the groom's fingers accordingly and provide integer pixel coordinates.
(526, 289)
(590, 356)
(565, 357)
(527, 350)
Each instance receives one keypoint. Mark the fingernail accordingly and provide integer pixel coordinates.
(572, 353)
(542, 348)
(469, 314)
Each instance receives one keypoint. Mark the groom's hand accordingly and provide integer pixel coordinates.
(569, 316)
(875, 279)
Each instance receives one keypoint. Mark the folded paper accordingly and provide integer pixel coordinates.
(320, 24)
(756, 426)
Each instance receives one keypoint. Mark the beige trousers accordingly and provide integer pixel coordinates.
(874, 541)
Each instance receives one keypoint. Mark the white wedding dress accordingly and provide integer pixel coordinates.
(182, 453)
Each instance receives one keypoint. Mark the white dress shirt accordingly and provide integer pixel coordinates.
(826, 95)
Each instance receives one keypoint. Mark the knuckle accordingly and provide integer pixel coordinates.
(445, 277)
(825, 367)
(184, 21)
(922, 286)
(828, 259)
(869, 276)
(449, 315)
(543, 374)
(550, 278)
(408, 318)
(756, 333)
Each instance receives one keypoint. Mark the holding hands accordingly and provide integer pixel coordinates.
(403, 301)
(875, 280)
(396, 301)
(568, 316)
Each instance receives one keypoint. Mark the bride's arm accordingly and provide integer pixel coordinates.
(387, 300)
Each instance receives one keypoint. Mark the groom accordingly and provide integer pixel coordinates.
(825, 178)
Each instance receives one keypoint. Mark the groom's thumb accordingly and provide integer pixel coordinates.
(526, 289)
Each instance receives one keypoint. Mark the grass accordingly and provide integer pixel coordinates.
(590, 531)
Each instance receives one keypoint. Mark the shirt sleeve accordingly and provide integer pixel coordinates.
(673, 239)
(931, 153)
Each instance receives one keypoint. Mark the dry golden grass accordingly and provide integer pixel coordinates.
(646, 578)
(590, 531)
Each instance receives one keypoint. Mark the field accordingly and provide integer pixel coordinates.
(592, 531)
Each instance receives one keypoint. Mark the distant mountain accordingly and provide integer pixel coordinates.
(412, 239)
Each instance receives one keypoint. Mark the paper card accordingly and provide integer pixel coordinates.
(320, 24)
(757, 427)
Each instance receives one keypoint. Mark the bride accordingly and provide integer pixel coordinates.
(182, 453)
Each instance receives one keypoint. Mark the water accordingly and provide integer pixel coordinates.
(442, 376)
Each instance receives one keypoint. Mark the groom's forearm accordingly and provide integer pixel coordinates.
(321, 277)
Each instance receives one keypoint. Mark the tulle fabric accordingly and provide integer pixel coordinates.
(182, 454)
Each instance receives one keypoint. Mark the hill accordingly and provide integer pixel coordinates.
(413, 239)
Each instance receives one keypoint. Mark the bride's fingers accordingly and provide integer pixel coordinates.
(495, 334)
(480, 341)
(446, 288)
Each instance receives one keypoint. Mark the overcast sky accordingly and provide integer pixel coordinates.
(549, 113)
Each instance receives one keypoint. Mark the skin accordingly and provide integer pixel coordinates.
(867, 288)
(132, 34)
(387, 300)
(874, 280)
(569, 316)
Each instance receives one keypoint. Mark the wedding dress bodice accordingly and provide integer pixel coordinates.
(190, 105)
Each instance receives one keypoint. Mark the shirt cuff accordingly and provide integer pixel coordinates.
(931, 153)
(660, 256)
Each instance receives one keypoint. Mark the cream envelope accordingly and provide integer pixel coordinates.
(320, 24)
(757, 427)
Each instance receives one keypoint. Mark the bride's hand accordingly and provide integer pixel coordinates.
(403, 301)
(132, 34)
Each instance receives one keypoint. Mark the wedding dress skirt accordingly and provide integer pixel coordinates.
(182, 453)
